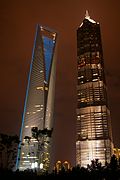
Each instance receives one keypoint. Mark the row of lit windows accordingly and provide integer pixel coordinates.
(42, 88)
(88, 45)
(91, 128)
(90, 85)
(88, 36)
(90, 76)
(84, 127)
(89, 69)
(92, 132)
(88, 48)
(84, 71)
(87, 61)
(92, 118)
(96, 118)
(38, 110)
(37, 119)
(91, 103)
(93, 115)
(84, 93)
(90, 94)
(88, 54)
(92, 135)
(91, 125)
(88, 30)
(93, 110)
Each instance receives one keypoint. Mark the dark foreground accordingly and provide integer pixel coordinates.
(101, 173)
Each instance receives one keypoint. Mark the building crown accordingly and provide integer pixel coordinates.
(88, 17)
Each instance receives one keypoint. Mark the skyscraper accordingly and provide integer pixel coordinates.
(38, 116)
(93, 127)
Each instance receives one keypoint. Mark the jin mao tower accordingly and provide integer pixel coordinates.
(93, 126)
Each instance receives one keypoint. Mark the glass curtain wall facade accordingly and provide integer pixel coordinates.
(93, 128)
(34, 150)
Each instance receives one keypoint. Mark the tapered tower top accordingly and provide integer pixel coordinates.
(87, 16)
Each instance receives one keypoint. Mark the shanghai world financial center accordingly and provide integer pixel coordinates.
(38, 117)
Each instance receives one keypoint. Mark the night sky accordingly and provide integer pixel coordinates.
(18, 20)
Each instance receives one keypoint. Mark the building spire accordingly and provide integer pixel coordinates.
(88, 18)
(87, 15)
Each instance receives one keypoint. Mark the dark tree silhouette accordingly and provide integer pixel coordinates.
(36, 133)
(113, 162)
(27, 139)
(8, 150)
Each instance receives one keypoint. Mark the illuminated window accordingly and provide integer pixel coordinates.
(98, 54)
(32, 126)
(95, 74)
(81, 76)
(46, 88)
(38, 110)
(37, 105)
(99, 66)
(45, 82)
(39, 88)
(94, 79)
